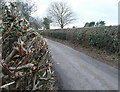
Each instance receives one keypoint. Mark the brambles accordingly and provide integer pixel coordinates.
(25, 57)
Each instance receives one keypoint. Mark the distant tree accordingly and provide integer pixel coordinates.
(73, 26)
(61, 13)
(36, 23)
(91, 24)
(46, 23)
(26, 8)
(97, 24)
(86, 24)
(101, 23)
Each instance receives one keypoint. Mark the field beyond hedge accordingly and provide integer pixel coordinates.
(104, 38)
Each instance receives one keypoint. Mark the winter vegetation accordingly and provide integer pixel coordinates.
(103, 37)
(26, 61)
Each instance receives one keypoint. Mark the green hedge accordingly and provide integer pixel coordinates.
(100, 37)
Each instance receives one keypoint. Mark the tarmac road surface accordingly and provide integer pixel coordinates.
(77, 71)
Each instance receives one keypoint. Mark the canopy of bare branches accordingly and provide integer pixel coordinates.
(61, 13)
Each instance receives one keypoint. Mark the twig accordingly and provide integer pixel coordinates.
(34, 81)
(43, 69)
(10, 56)
(25, 61)
(46, 79)
(22, 67)
(7, 84)
(8, 30)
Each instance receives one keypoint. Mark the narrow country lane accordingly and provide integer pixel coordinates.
(77, 71)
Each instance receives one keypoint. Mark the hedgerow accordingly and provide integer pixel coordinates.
(105, 38)
(26, 62)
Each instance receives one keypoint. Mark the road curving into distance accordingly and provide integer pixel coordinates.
(77, 71)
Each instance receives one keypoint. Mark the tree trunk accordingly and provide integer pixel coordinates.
(62, 26)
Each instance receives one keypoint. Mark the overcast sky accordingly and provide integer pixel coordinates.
(85, 10)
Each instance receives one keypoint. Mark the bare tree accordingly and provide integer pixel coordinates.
(61, 13)
(27, 8)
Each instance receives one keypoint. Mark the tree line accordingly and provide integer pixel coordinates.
(58, 13)
(93, 24)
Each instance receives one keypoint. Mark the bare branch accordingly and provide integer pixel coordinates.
(10, 56)
(61, 13)
(22, 67)
(7, 84)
